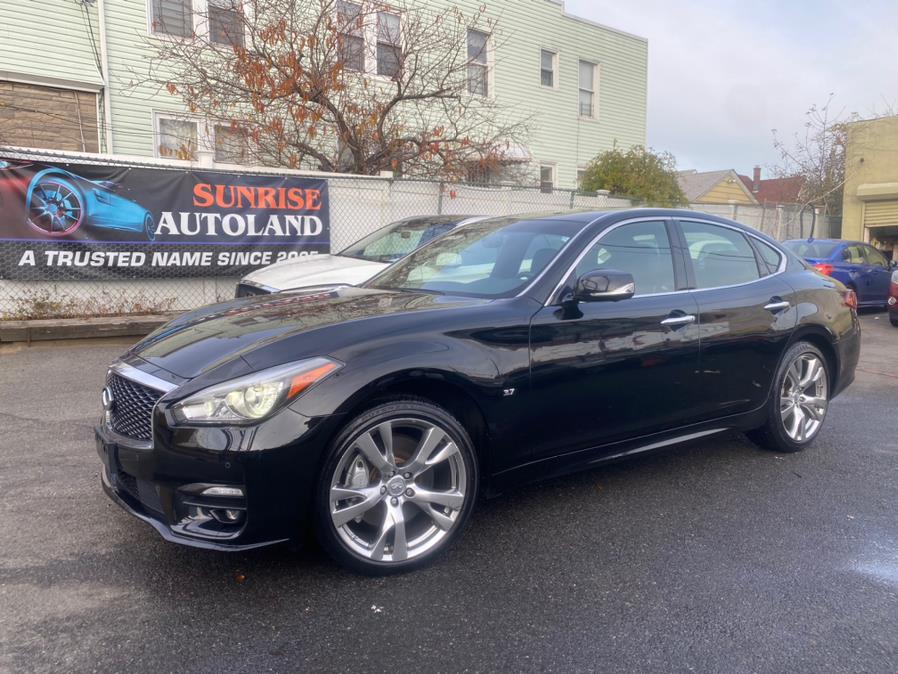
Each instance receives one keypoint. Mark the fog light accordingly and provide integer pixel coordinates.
(229, 492)
(233, 515)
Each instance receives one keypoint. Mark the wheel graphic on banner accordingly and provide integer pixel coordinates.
(55, 207)
(149, 227)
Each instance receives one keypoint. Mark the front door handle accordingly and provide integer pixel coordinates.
(677, 321)
(776, 305)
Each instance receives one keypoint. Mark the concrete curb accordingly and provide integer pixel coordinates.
(81, 328)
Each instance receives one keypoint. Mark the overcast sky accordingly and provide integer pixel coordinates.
(722, 74)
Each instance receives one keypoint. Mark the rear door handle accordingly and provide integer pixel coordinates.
(677, 321)
(776, 305)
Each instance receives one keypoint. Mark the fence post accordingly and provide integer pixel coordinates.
(440, 199)
(573, 196)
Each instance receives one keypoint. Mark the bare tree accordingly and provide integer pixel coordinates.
(357, 87)
(818, 156)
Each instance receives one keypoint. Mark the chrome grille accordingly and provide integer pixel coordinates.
(132, 410)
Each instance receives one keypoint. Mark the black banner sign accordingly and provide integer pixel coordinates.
(83, 221)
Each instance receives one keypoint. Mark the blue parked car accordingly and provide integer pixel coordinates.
(856, 264)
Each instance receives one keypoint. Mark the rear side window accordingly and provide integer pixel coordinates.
(720, 256)
(874, 257)
(853, 255)
(770, 256)
(640, 248)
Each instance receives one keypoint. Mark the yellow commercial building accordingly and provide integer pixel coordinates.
(870, 205)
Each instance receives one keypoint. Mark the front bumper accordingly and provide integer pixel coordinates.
(163, 484)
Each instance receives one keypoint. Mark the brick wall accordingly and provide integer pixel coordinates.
(45, 117)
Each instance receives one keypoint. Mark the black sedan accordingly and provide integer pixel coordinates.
(507, 351)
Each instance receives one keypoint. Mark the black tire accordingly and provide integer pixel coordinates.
(894, 321)
(407, 408)
(773, 435)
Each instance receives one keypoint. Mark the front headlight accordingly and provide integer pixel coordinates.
(252, 398)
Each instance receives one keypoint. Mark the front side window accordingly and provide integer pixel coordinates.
(177, 138)
(853, 255)
(547, 68)
(641, 249)
(587, 89)
(172, 17)
(478, 65)
(350, 38)
(226, 22)
(388, 45)
(874, 258)
(489, 259)
(720, 256)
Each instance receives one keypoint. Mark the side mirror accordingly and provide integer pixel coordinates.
(605, 285)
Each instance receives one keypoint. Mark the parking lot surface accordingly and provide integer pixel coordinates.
(716, 556)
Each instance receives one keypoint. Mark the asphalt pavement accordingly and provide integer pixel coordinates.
(714, 557)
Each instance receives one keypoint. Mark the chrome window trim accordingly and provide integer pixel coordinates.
(781, 269)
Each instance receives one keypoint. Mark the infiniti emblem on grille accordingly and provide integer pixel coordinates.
(108, 401)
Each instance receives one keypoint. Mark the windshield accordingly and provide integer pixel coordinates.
(490, 259)
(819, 250)
(398, 239)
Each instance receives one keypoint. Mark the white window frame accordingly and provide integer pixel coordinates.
(553, 166)
(583, 170)
(555, 68)
(200, 11)
(372, 34)
(205, 148)
(213, 138)
(490, 62)
(363, 34)
(595, 90)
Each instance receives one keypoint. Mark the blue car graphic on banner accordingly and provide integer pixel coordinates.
(60, 202)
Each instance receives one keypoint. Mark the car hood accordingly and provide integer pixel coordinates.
(315, 270)
(240, 330)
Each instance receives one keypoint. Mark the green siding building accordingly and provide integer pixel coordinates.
(70, 75)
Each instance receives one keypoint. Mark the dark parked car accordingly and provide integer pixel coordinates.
(507, 351)
(893, 299)
(858, 265)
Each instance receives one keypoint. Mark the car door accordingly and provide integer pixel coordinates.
(611, 370)
(879, 273)
(746, 314)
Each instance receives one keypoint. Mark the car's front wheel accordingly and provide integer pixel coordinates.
(798, 406)
(397, 487)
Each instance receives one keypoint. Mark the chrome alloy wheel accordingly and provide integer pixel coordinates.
(398, 490)
(803, 399)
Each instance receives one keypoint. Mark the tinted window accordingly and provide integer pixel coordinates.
(720, 256)
(484, 259)
(769, 255)
(640, 248)
(874, 257)
(818, 250)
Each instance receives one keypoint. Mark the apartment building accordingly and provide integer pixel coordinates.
(72, 77)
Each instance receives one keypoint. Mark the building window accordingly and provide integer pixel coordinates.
(226, 22)
(388, 45)
(478, 65)
(230, 145)
(581, 176)
(548, 68)
(172, 17)
(351, 39)
(547, 178)
(177, 138)
(587, 89)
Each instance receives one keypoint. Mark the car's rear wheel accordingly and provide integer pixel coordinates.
(397, 488)
(55, 207)
(798, 407)
(894, 321)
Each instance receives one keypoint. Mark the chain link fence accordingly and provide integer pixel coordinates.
(359, 205)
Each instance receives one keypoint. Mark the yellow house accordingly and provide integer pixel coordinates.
(714, 187)
(870, 199)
